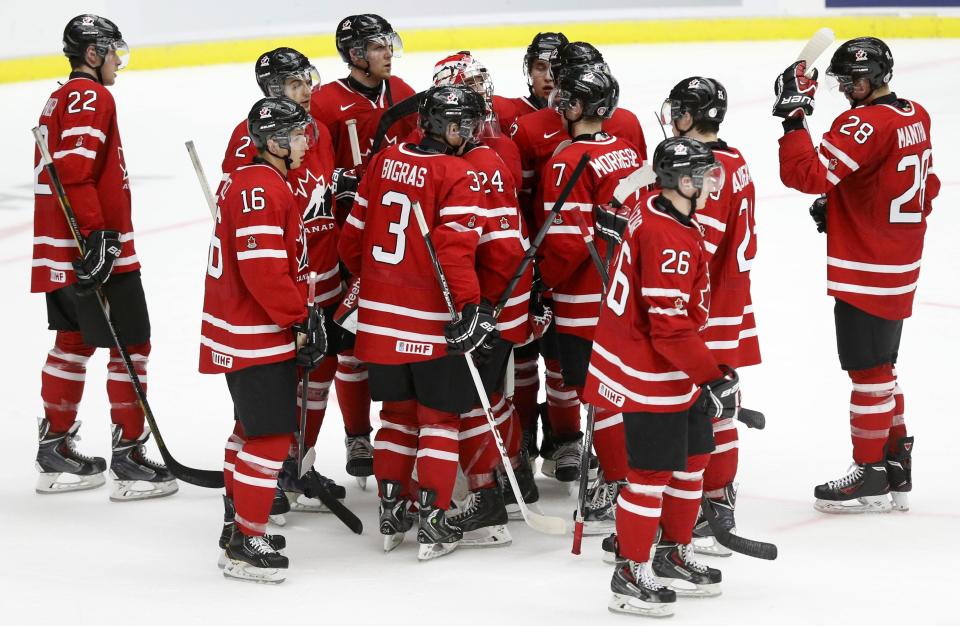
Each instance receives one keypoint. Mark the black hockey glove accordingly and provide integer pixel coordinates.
(541, 308)
(610, 222)
(818, 211)
(475, 326)
(311, 339)
(93, 268)
(795, 92)
(720, 399)
(344, 184)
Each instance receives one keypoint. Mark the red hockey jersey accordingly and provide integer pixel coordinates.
(874, 165)
(730, 241)
(336, 102)
(509, 110)
(648, 354)
(502, 244)
(251, 296)
(565, 261)
(402, 313)
(79, 122)
(310, 184)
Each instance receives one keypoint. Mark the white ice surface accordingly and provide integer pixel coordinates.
(80, 559)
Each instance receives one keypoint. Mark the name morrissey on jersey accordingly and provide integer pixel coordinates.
(609, 162)
(400, 172)
(911, 135)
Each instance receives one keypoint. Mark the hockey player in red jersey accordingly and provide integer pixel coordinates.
(695, 108)
(79, 122)
(315, 185)
(650, 361)
(367, 44)
(874, 167)
(586, 96)
(404, 332)
(536, 68)
(252, 301)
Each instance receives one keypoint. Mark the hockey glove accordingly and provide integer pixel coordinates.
(818, 211)
(541, 310)
(94, 267)
(311, 339)
(346, 314)
(720, 399)
(610, 223)
(475, 326)
(344, 184)
(795, 92)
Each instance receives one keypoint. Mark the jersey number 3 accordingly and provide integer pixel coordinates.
(398, 228)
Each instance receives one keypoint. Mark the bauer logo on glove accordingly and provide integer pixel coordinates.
(795, 92)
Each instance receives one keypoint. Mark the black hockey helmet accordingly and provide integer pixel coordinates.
(541, 48)
(276, 118)
(592, 85)
(574, 54)
(85, 30)
(705, 99)
(458, 104)
(273, 68)
(355, 32)
(863, 57)
(679, 157)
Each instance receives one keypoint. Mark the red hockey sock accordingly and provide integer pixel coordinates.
(526, 386)
(563, 405)
(234, 444)
(638, 512)
(478, 450)
(508, 423)
(62, 378)
(437, 456)
(124, 407)
(872, 407)
(318, 392)
(681, 500)
(353, 394)
(722, 468)
(255, 480)
(898, 429)
(395, 445)
(610, 444)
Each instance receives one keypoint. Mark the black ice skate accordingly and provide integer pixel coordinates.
(277, 542)
(483, 519)
(280, 507)
(436, 536)
(254, 559)
(293, 488)
(676, 566)
(611, 549)
(359, 458)
(899, 475)
(636, 591)
(600, 515)
(862, 490)
(723, 507)
(61, 467)
(562, 458)
(528, 487)
(135, 476)
(395, 516)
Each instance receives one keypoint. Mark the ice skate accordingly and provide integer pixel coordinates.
(294, 487)
(611, 549)
(395, 516)
(529, 450)
(675, 565)
(863, 489)
(135, 476)
(600, 515)
(704, 541)
(636, 591)
(528, 487)
(899, 475)
(61, 467)
(436, 536)
(483, 519)
(277, 542)
(254, 559)
(563, 462)
(359, 458)
(280, 507)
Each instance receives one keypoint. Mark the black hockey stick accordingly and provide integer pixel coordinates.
(393, 115)
(312, 488)
(202, 478)
(750, 547)
(305, 458)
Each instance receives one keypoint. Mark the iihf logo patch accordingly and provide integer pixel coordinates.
(861, 55)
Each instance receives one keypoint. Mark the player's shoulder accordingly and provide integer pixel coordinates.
(625, 116)
(239, 131)
(728, 155)
(399, 88)
(259, 175)
(80, 93)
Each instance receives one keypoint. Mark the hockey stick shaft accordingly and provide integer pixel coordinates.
(202, 178)
(305, 381)
(541, 523)
(584, 472)
(393, 115)
(314, 489)
(749, 547)
(201, 478)
(354, 142)
(812, 50)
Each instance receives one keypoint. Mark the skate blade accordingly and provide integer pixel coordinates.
(362, 482)
(869, 504)
(548, 467)
(430, 551)
(488, 537)
(279, 519)
(50, 482)
(901, 501)
(710, 547)
(131, 490)
(223, 559)
(609, 557)
(238, 570)
(390, 542)
(686, 589)
(594, 528)
(629, 605)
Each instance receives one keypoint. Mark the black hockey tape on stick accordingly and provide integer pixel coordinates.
(753, 419)
(749, 547)
(393, 115)
(201, 478)
(312, 488)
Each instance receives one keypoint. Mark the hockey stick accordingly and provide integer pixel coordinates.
(202, 178)
(749, 547)
(393, 115)
(753, 419)
(354, 142)
(201, 478)
(312, 488)
(821, 40)
(536, 521)
(306, 458)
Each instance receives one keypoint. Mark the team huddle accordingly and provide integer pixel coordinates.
(427, 250)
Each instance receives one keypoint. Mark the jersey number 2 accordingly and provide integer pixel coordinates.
(920, 165)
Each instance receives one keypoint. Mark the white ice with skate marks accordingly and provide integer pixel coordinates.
(157, 559)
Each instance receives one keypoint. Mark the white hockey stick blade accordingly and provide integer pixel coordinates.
(309, 458)
(821, 40)
(630, 184)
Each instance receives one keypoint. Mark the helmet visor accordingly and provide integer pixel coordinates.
(120, 48)
(709, 179)
(470, 128)
(838, 83)
(387, 40)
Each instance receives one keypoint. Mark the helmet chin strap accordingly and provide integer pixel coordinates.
(287, 161)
